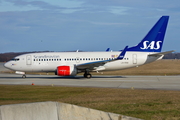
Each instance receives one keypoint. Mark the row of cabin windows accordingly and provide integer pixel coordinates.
(69, 59)
(76, 59)
(47, 59)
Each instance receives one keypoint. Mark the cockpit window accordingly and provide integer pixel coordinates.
(15, 59)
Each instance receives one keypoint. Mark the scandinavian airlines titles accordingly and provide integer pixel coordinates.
(151, 45)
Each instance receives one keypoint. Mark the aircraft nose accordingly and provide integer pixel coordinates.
(7, 65)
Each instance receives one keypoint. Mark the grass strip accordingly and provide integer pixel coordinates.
(144, 104)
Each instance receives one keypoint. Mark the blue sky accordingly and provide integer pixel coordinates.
(88, 25)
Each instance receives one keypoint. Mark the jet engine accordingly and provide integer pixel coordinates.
(66, 71)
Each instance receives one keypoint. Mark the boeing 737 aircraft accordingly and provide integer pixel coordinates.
(72, 63)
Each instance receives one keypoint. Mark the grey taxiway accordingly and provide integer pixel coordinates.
(129, 82)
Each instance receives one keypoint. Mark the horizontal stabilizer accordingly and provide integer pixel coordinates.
(161, 53)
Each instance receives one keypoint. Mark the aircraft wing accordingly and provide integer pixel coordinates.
(98, 65)
(161, 53)
(92, 65)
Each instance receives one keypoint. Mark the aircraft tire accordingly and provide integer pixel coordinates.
(24, 76)
(87, 76)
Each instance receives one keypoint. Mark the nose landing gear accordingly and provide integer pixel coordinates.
(24, 76)
(21, 73)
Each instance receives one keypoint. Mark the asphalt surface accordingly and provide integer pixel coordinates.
(129, 82)
(2, 68)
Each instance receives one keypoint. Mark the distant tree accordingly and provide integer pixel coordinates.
(172, 56)
(8, 56)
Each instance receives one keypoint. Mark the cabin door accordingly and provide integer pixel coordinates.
(28, 60)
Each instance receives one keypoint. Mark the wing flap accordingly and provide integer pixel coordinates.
(92, 65)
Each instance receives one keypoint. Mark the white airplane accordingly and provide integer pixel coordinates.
(72, 63)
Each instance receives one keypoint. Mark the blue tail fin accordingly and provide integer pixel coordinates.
(153, 41)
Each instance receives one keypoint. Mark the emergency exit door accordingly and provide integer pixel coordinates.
(134, 58)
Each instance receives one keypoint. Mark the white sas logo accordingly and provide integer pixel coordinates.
(152, 45)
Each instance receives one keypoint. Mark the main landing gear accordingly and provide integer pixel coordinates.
(87, 74)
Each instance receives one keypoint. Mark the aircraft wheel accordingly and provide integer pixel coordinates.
(24, 76)
(87, 76)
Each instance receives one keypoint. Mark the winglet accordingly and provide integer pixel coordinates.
(107, 49)
(121, 56)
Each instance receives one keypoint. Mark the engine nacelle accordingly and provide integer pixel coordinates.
(66, 71)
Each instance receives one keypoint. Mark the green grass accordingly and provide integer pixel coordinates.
(145, 104)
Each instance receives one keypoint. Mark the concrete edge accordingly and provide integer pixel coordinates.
(56, 111)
